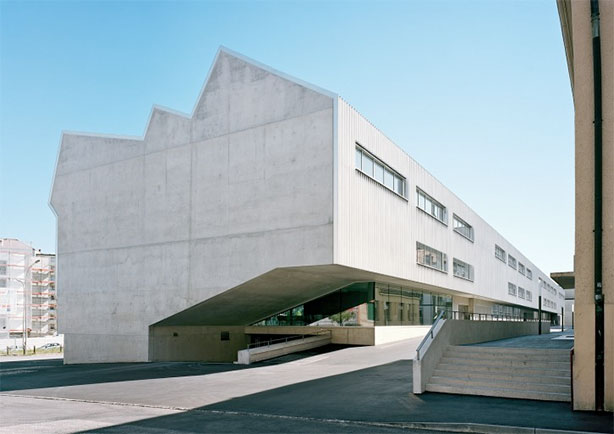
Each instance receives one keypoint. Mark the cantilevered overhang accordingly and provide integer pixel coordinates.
(279, 290)
(566, 279)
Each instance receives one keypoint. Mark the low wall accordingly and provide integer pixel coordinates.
(387, 334)
(196, 343)
(247, 356)
(460, 332)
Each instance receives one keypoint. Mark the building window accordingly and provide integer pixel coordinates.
(521, 292)
(500, 253)
(511, 289)
(462, 269)
(380, 172)
(3, 265)
(432, 258)
(521, 268)
(529, 274)
(511, 261)
(528, 295)
(462, 227)
(430, 206)
(2, 283)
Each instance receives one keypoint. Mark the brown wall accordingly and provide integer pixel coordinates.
(576, 24)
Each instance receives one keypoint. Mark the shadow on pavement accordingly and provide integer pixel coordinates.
(379, 394)
(36, 374)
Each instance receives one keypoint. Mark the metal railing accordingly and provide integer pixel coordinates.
(287, 339)
(431, 333)
(458, 315)
(464, 316)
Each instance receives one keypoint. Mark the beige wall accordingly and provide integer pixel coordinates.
(576, 25)
(195, 343)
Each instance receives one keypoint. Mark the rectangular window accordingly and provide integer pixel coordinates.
(511, 261)
(529, 274)
(521, 268)
(462, 269)
(521, 292)
(511, 289)
(462, 227)
(367, 164)
(432, 258)
(379, 171)
(528, 295)
(430, 206)
(2, 283)
(358, 159)
(500, 253)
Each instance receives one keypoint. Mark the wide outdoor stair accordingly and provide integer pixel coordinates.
(525, 373)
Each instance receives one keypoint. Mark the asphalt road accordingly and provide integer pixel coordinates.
(352, 390)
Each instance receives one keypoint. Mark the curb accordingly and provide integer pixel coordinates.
(477, 428)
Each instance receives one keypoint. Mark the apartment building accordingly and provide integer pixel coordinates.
(27, 290)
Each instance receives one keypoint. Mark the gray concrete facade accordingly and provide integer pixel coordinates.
(149, 227)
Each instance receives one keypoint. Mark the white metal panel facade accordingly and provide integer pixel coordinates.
(377, 230)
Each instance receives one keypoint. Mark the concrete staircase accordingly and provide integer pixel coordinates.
(525, 373)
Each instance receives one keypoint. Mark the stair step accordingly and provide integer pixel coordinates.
(501, 384)
(508, 363)
(498, 369)
(503, 393)
(496, 355)
(484, 349)
(502, 376)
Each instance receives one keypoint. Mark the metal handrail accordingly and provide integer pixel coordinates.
(431, 334)
(467, 316)
(286, 339)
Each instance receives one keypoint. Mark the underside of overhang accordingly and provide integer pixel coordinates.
(278, 290)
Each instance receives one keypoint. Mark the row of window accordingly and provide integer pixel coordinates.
(433, 258)
(519, 292)
(547, 287)
(550, 304)
(379, 171)
(376, 169)
(511, 261)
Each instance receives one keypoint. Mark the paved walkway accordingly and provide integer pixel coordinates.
(558, 340)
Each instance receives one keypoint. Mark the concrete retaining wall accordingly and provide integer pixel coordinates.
(245, 357)
(459, 332)
(196, 343)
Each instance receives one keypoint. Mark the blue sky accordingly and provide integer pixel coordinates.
(477, 92)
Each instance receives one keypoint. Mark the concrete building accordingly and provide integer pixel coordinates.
(27, 278)
(274, 204)
(588, 35)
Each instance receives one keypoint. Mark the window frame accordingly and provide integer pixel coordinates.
(387, 170)
(510, 260)
(432, 202)
(503, 257)
(455, 219)
(470, 269)
(444, 258)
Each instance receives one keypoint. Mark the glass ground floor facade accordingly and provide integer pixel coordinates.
(366, 304)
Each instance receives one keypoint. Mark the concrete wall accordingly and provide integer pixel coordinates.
(458, 332)
(386, 334)
(577, 35)
(196, 343)
(377, 230)
(149, 227)
(252, 355)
